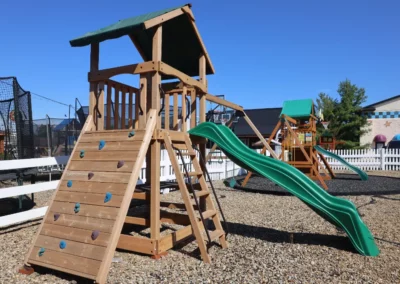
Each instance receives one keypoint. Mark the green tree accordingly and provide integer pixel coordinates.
(346, 120)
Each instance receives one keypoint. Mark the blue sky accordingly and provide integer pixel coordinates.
(264, 52)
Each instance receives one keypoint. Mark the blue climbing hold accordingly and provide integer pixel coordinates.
(108, 197)
(63, 244)
(232, 183)
(77, 207)
(82, 154)
(102, 144)
(56, 216)
(132, 133)
(69, 183)
(41, 251)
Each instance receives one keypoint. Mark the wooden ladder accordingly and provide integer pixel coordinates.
(198, 224)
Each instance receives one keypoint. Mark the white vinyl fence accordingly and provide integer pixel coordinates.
(28, 189)
(368, 159)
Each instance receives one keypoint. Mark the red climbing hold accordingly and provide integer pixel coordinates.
(120, 164)
(95, 234)
(90, 175)
(56, 216)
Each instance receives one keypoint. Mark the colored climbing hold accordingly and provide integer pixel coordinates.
(120, 164)
(63, 244)
(95, 234)
(41, 251)
(90, 175)
(77, 207)
(56, 216)
(102, 144)
(132, 133)
(69, 183)
(108, 197)
(232, 182)
(82, 154)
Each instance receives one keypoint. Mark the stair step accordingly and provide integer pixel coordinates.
(208, 214)
(216, 234)
(201, 193)
(194, 174)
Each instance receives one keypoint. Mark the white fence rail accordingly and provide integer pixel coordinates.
(368, 159)
(28, 189)
(219, 168)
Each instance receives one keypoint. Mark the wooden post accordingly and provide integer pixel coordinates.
(184, 110)
(109, 101)
(156, 145)
(202, 118)
(94, 66)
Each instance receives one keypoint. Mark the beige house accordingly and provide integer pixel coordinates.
(384, 122)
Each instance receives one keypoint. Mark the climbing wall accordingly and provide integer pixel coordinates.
(82, 226)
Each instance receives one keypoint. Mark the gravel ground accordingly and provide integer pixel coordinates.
(344, 184)
(260, 248)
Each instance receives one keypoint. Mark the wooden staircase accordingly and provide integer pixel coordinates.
(82, 226)
(201, 233)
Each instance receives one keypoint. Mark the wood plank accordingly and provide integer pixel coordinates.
(94, 187)
(116, 107)
(88, 198)
(162, 18)
(141, 196)
(139, 68)
(106, 156)
(130, 111)
(72, 248)
(105, 266)
(173, 239)
(103, 166)
(137, 244)
(137, 221)
(86, 223)
(193, 109)
(169, 70)
(123, 109)
(183, 108)
(167, 110)
(94, 67)
(74, 234)
(87, 126)
(223, 102)
(71, 262)
(133, 145)
(93, 211)
(62, 269)
(175, 114)
(112, 138)
(109, 102)
(98, 176)
(174, 218)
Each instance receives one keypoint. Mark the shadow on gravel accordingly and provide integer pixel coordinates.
(276, 236)
(65, 276)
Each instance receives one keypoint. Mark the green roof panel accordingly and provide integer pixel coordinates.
(297, 108)
(181, 47)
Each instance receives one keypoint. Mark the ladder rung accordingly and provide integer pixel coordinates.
(214, 235)
(201, 193)
(190, 153)
(208, 214)
(194, 174)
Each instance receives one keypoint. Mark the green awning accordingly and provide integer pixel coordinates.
(181, 47)
(297, 108)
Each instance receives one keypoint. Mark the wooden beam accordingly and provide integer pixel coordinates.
(168, 70)
(122, 85)
(183, 109)
(104, 74)
(94, 67)
(155, 147)
(223, 102)
(173, 239)
(100, 107)
(259, 135)
(162, 18)
(137, 244)
(188, 12)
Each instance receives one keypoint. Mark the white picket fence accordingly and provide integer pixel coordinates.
(368, 159)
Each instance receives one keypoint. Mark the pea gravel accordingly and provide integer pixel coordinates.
(273, 239)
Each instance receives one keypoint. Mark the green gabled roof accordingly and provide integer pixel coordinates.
(297, 108)
(181, 46)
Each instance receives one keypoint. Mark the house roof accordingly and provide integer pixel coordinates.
(372, 107)
(265, 119)
(181, 41)
(297, 108)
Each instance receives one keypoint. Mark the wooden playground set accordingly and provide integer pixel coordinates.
(82, 227)
(298, 127)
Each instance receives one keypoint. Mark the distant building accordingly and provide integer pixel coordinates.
(383, 122)
(265, 119)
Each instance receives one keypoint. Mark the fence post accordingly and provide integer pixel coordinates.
(383, 159)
